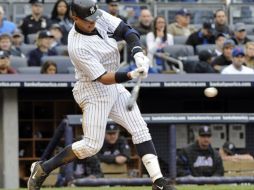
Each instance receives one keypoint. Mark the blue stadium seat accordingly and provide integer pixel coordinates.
(180, 39)
(26, 48)
(189, 63)
(71, 70)
(29, 70)
(32, 38)
(62, 62)
(179, 50)
(62, 50)
(200, 48)
(251, 37)
(18, 62)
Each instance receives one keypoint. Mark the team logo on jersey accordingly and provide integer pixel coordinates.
(203, 161)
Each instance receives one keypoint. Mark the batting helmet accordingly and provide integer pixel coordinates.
(87, 10)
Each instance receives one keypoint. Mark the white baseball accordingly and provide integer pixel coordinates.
(210, 92)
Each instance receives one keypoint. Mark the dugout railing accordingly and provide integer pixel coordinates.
(71, 121)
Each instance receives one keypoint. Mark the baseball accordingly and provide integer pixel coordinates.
(210, 92)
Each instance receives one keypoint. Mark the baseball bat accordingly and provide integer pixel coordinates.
(134, 94)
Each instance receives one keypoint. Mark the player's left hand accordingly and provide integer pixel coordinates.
(142, 60)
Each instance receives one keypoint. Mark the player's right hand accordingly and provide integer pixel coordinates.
(141, 60)
(140, 71)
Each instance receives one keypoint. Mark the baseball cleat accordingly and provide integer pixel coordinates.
(162, 184)
(37, 176)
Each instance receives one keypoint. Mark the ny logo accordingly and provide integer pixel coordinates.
(92, 10)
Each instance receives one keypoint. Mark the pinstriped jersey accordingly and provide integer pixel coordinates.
(93, 55)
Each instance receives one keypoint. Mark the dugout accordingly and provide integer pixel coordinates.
(32, 106)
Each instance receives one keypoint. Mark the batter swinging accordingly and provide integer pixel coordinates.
(93, 51)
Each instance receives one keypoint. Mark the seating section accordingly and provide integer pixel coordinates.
(179, 50)
(200, 12)
(62, 50)
(62, 62)
(180, 39)
(26, 48)
(208, 47)
(29, 70)
(32, 38)
(71, 70)
(18, 62)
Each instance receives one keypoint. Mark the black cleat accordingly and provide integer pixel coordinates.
(37, 176)
(163, 184)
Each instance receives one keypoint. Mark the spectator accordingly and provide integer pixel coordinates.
(240, 34)
(57, 32)
(113, 9)
(144, 26)
(6, 45)
(199, 158)
(228, 152)
(49, 67)
(35, 22)
(181, 27)
(237, 66)
(17, 42)
(43, 48)
(204, 64)
(203, 36)
(5, 67)
(219, 41)
(61, 15)
(5, 25)
(249, 54)
(226, 58)
(157, 40)
(220, 23)
(115, 149)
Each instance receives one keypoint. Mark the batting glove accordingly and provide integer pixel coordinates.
(141, 60)
(141, 71)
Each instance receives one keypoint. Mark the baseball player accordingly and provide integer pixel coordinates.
(93, 51)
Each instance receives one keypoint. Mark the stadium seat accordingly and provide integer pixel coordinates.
(189, 63)
(179, 50)
(29, 70)
(180, 39)
(62, 62)
(18, 62)
(71, 70)
(32, 38)
(62, 50)
(249, 29)
(200, 48)
(26, 48)
(251, 37)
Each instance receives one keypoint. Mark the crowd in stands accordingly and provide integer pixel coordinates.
(210, 48)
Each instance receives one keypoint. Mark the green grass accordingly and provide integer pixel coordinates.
(180, 187)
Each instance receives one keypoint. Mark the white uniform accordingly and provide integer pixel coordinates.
(92, 56)
(232, 70)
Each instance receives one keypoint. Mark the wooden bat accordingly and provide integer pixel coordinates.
(134, 94)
